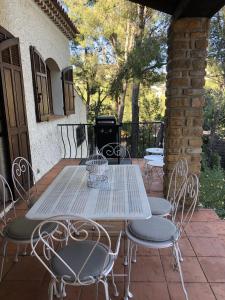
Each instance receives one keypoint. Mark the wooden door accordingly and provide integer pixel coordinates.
(14, 102)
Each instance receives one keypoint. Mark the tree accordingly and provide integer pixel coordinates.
(111, 53)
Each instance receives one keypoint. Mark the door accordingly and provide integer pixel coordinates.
(13, 97)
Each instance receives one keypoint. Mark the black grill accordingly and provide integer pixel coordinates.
(106, 131)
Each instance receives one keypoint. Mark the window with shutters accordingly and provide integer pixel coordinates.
(40, 83)
(53, 89)
(68, 91)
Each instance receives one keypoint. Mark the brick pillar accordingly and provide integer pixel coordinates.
(187, 50)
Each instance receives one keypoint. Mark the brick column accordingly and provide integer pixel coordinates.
(187, 50)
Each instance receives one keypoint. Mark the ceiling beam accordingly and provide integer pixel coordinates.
(182, 4)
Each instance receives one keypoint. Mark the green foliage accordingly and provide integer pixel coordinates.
(214, 111)
(212, 189)
(104, 55)
(217, 39)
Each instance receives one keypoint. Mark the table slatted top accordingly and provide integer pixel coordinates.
(123, 199)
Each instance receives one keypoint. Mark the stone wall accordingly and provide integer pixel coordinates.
(187, 50)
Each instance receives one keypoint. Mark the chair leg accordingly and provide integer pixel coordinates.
(106, 287)
(51, 289)
(17, 253)
(25, 250)
(4, 247)
(134, 258)
(150, 177)
(125, 262)
(180, 270)
(116, 293)
(128, 294)
(180, 254)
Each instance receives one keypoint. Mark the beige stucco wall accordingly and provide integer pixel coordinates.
(25, 20)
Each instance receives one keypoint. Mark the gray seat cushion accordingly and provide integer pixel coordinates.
(75, 255)
(155, 229)
(159, 206)
(21, 228)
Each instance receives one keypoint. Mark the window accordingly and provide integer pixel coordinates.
(53, 90)
(68, 90)
(55, 87)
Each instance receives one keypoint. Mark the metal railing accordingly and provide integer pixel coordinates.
(78, 140)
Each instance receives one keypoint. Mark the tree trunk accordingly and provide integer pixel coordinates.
(88, 100)
(136, 83)
(122, 103)
(135, 118)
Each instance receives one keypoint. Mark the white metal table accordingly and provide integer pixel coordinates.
(155, 150)
(68, 194)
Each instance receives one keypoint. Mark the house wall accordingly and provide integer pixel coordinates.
(25, 20)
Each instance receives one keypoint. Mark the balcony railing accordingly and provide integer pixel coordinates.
(78, 140)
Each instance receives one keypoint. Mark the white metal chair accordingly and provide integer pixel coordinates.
(83, 258)
(159, 233)
(13, 229)
(163, 206)
(24, 180)
(116, 151)
(154, 168)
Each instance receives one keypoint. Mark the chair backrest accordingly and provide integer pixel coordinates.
(6, 196)
(115, 150)
(71, 230)
(177, 180)
(186, 203)
(23, 179)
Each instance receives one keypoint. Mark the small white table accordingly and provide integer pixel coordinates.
(68, 194)
(155, 150)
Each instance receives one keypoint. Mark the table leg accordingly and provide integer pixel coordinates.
(128, 294)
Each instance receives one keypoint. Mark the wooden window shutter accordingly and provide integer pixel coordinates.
(40, 83)
(68, 91)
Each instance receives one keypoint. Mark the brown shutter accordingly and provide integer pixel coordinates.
(40, 83)
(68, 91)
(11, 86)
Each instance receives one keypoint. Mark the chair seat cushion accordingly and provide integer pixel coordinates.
(75, 255)
(155, 229)
(159, 206)
(21, 228)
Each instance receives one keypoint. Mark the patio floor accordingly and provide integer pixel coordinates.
(203, 248)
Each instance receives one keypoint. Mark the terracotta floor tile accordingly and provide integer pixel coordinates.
(185, 247)
(8, 265)
(17, 290)
(205, 215)
(208, 246)
(119, 269)
(143, 251)
(28, 268)
(220, 227)
(150, 291)
(196, 291)
(147, 269)
(201, 229)
(219, 290)
(11, 250)
(191, 269)
(89, 292)
(214, 268)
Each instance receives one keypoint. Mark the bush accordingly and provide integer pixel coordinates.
(212, 189)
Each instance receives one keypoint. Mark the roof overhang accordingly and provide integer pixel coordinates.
(185, 8)
(54, 10)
